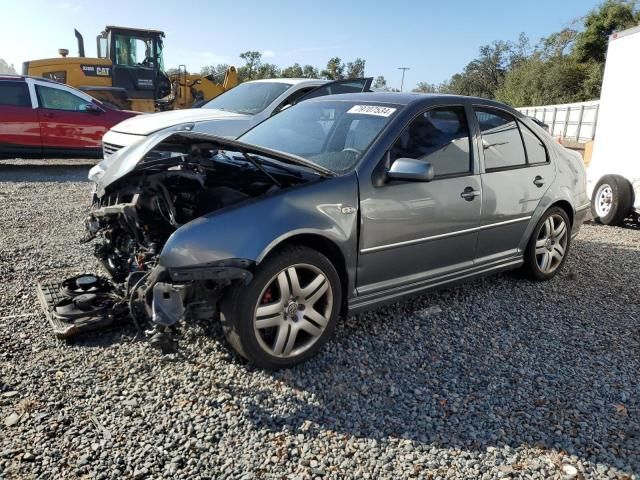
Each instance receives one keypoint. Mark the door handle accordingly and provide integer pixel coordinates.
(538, 181)
(48, 115)
(469, 194)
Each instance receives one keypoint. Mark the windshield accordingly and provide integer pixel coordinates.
(331, 134)
(249, 98)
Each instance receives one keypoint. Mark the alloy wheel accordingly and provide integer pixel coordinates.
(551, 244)
(293, 310)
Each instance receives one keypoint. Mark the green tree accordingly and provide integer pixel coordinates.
(355, 69)
(425, 87)
(6, 68)
(309, 71)
(267, 70)
(380, 83)
(217, 72)
(613, 15)
(483, 76)
(253, 60)
(334, 70)
(537, 81)
(294, 71)
(557, 44)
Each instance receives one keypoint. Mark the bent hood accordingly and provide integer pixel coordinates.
(127, 159)
(152, 122)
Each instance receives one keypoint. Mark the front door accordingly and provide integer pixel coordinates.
(68, 121)
(416, 232)
(517, 173)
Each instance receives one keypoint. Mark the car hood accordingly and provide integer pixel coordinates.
(126, 159)
(152, 122)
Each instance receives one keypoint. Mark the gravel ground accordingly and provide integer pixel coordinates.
(500, 378)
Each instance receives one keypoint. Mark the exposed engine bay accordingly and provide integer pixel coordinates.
(175, 183)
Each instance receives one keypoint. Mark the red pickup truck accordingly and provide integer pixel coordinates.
(43, 118)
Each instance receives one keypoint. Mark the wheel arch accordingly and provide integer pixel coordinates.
(567, 207)
(322, 244)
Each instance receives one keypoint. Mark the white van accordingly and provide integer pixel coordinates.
(613, 175)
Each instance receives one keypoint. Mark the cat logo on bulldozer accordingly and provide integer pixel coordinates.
(96, 71)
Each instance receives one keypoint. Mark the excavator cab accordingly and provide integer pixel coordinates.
(129, 72)
(136, 58)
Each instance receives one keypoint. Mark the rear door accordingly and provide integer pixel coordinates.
(68, 121)
(353, 85)
(514, 179)
(19, 126)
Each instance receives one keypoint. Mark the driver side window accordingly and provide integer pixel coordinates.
(439, 136)
(58, 99)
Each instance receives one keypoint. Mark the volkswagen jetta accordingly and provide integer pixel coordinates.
(330, 207)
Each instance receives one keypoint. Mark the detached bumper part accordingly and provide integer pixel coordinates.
(232, 269)
(80, 304)
(167, 306)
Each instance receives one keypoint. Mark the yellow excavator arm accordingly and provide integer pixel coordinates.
(191, 90)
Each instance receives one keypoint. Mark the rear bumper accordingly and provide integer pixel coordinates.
(583, 214)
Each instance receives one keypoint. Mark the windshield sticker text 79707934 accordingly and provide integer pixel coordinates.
(372, 110)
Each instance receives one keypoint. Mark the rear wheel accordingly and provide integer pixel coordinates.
(287, 312)
(612, 200)
(549, 245)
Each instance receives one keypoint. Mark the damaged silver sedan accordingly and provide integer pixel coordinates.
(332, 206)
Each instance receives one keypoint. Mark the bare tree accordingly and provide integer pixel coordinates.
(6, 68)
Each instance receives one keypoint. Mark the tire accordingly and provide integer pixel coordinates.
(548, 246)
(290, 328)
(612, 200)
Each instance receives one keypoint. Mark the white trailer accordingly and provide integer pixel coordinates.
(613, 176)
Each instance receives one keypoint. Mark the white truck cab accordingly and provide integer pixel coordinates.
(613, 175)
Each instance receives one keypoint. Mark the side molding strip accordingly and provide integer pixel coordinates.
(443, 235)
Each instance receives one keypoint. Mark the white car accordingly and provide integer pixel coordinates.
(232, 113)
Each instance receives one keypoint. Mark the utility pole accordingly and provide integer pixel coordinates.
(404, 69)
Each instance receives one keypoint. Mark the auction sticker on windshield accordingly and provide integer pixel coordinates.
(372, 110)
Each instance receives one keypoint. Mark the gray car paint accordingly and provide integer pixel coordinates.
(447, 238)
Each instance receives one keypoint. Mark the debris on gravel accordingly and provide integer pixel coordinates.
(497, 378)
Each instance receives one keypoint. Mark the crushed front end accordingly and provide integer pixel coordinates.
(133, 216)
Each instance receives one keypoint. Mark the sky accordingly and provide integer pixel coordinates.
(435, 39)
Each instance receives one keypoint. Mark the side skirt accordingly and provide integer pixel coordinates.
(365, 302)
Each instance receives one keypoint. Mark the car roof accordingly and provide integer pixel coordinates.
(292, 81)
(22, 78)
(407, 99)
(13, 78)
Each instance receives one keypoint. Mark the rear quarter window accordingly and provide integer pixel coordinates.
(536, 151)
(15, 94)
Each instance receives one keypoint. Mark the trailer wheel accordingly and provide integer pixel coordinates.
(611, 200)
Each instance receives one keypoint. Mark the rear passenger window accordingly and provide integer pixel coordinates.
(439, 136)
(536, 151)
(15, 94)
(501, 140)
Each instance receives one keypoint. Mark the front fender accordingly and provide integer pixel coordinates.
(251, 230)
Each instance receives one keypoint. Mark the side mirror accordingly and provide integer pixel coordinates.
(410, 169)
(92, 108)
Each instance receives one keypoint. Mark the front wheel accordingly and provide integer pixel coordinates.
(287, 312)
(549, 245)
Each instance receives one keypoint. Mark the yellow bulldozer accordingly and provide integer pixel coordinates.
(129, 73)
